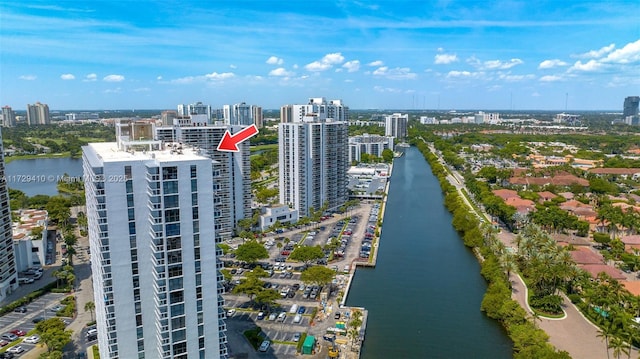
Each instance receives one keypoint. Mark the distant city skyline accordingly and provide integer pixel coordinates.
(404, 54)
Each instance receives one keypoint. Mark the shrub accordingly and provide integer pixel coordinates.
(254, 336)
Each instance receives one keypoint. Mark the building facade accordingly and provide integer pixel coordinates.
(8, 273)
(313, 163)
(8, 117)
(630, 110)
(317, 107)
(38, 114)
(396, 125)
(153, 253)
(370, 144)
(232, 170)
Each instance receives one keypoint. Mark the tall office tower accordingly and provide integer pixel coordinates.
(38, 114)
(313, 164)
(396, 125)
(232, 170)
(153, 252)
(286, 113)
(256, 112)
(238, 114)
(8, 273)
(8, 117)
(631, 105)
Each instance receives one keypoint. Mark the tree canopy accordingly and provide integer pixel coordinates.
(251, 252)
(319, 275)
(307, 254)
(53, 334)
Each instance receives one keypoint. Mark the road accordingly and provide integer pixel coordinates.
(574, 333)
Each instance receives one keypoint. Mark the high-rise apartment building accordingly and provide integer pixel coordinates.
(38, 114)
(242, 114)
(370, 144)
(631, 105)
(8, 273)
(153, 252)
(396, 125)
(8, 117)
(258, 118)
(197, 108)
(231, 170)
(313, 164)
(317, 107)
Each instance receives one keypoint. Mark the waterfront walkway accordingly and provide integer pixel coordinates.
(574, 333)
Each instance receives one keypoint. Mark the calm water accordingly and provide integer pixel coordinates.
(424, 295)
(39, 176)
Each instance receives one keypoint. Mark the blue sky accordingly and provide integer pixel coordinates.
(540, 55)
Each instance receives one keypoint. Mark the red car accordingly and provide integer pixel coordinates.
(18, 332)
(3, 343)
(285, 253)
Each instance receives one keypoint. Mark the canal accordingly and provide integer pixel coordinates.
(424, 295)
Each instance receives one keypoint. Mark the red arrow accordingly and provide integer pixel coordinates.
(229, 142)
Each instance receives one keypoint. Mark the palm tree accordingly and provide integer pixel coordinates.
(90, 307)
(619, 347)
(605, 333)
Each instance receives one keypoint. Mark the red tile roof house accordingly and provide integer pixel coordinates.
(522, 205)
(546, 196)
(632, 287)
(584, 255)
(595, 269)
(505, 193)
(631, 242)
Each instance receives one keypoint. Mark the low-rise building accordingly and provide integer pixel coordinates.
(277, 213)
(29, 238)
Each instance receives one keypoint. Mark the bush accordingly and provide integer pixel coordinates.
(254, 336)
(303, 336)
(548, 304)
(574, 298)
(28, 299)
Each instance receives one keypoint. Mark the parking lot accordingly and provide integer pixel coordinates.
(285, 278)
(40, 308)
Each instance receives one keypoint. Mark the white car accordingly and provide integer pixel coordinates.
(34, 339)
(15, 350)
(231, 312)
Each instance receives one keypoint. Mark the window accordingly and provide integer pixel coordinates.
(194, 185)
(176, 297)
(171, 201)
(173, 229)
(177, 323)
(194, 171)
(170, 187)
(174, 243)
(177, 310)
(130, 200)
(172, 215)
(169, 173)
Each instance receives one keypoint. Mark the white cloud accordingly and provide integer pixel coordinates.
(549, 64)
(497, 64)
(28, 77)
(386, 89)
(275, 61)
(462, 74)
(326, 62)
(509, 77)
(589, 66)
(376, 63)
(142, 89)
(550, 78)
(67, 77)
(91, 77)
(352, 66)
(115, 90)
(212, 77)
(159, 78)
(443, 59)
(535, 94)
(233, 66)
(398, 73)
(280, 71)
(628, 54)
(594, 54)
(113, 78)
(217, 77)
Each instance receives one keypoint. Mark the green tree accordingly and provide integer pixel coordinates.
(267, 298)
(387, 155)
(307, 254)
(53, 334)
(90, 307)
(318, 275)
(250, 287)
(251, 252)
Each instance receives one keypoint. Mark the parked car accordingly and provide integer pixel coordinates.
(9, 336)
(34, 339)
(3, 343)
(56, 308)
(260, 315)
(264, 346)
(15, 350)
(37, 320)
(302, 309)
(19, 332)
(296, 337)
(20, 310)
(231, 312)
